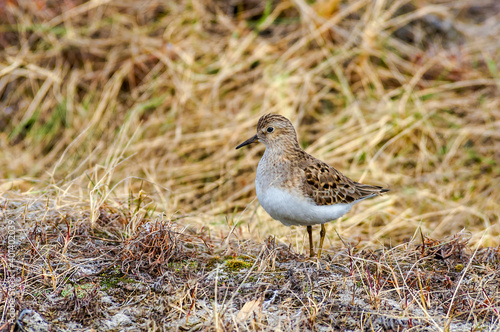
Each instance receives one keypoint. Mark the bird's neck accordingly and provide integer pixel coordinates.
(281, 154)
(283, 149)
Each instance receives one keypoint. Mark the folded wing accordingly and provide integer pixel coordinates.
(327, 186)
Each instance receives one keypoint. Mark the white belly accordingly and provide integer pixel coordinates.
(294, 210)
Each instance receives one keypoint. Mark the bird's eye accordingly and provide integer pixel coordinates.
(270, 129)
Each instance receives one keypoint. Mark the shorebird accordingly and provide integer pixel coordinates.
(294, 187)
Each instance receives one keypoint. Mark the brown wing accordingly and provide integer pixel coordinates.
(327, 186)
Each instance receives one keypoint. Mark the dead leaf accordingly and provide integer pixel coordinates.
(248, 309)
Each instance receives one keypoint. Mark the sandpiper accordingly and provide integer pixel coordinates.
(297, 189)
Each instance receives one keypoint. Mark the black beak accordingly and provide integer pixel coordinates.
(248, 141)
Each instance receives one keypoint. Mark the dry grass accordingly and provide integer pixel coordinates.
(119, 121)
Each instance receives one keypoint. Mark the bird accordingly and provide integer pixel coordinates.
(296, 188)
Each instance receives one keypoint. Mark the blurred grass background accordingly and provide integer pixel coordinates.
(106, 103)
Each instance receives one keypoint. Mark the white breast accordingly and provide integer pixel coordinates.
(294, 210)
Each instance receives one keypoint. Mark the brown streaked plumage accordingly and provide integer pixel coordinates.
(296, 188)
(327, 186)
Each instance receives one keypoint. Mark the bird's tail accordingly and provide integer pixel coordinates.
(368, 191)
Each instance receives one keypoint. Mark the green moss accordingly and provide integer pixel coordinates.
(178, 266)
(212, 262)
(80, 290)
(236, 264)
(111, 280)
(109, 283)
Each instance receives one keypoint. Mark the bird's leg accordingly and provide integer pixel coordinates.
(311, 247)
(322, 234)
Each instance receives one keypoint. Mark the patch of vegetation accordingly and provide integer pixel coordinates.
(236, 264)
